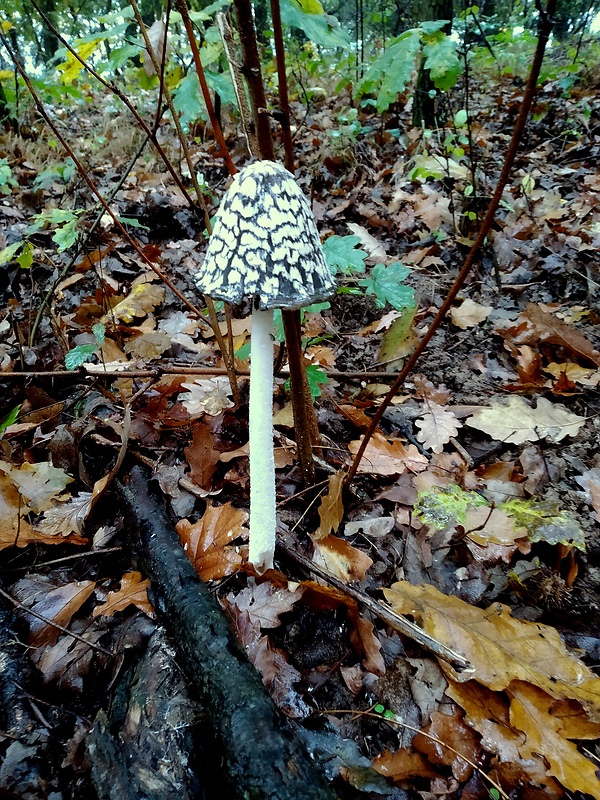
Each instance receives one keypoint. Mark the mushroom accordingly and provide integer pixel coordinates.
(264, 246)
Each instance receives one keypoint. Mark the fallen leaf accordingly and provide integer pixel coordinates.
(388, 457)
(67, 518)
(148, 345)
(133, 591)
(39, 483)
(341, 559)
(331, 509)
(56, 603)
(437, 427)
(207, 396)
(205, 541)
(532, 712)
(69, 660)
(514, 422)
(575, 373)
(403, 765)
(371, 526)
(202, 456)
(374, 248)
(500, 648)
(264, 602)
(469, 314)
(535, 325)
(455, 739)
(143, 299)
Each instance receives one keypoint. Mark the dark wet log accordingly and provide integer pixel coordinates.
(262, 756)
(24, 741)
(144, 747)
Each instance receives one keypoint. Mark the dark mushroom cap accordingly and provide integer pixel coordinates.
(265, 244)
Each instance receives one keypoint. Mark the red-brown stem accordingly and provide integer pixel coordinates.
(183, 10)
(305, 423)
(284, 103)
(253, 73)
(545, 27)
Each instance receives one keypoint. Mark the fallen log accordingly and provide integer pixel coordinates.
(264, 760)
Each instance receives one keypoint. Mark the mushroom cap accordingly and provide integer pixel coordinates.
(265, 244)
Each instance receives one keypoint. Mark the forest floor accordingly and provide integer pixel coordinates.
(475, 510)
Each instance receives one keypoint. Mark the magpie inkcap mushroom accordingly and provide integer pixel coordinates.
(264, 246)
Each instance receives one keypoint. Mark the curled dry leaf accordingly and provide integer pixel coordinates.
(264, 602)
(207, 396)
(469, 314)
(202, 456)
(388, 457)
(133, 591)
(55, 603)
(341, 559)
(206, 541)
(331, 509)
(455, 739)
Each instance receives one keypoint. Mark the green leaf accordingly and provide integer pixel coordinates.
(545, 522)
(187, 100)
(99, 331)
(317, 377)
(460, 118)
(322, 29)
(10, 419)
(66, 235)
(386, 284)
(400, 339)
(440, 507)
(390, 73)
(342, 255)
(79, 355)
(442, 61)
(25, 257)
(8, 253)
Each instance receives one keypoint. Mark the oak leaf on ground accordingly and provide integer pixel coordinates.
(388, 456)
(206, 541)
(133, 591)
(515, 422)
(499, 647)
(341, 559)
(331, 509)
(437, 427)
(202, 456)
(56, 602)
(469, 314)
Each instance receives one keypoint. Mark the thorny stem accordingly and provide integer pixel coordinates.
(183, 10)
(305, 423)
(545, 27)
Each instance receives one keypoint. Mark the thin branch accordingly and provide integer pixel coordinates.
(284, 102)
(384, 613)
(183, 10)
(545, 27)
(82, 171)
(96, 371)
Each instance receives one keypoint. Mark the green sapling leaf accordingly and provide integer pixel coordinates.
(385, 282)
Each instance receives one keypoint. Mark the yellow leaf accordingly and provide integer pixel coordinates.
(141, 300)
(311, 6)
(531, 711)
(501, 649)
(71, 67)
(331, 509)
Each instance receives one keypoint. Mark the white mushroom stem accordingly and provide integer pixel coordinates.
(262, 462)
